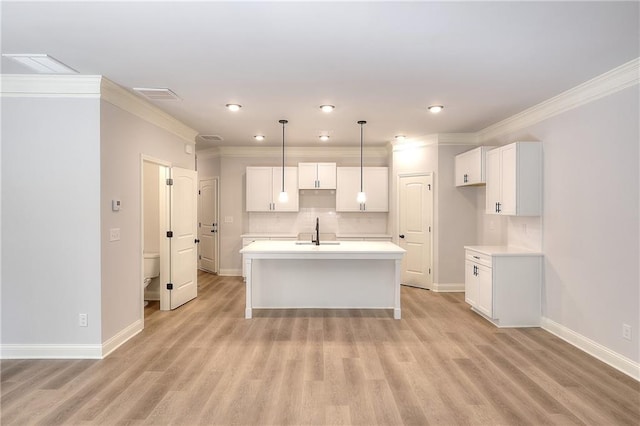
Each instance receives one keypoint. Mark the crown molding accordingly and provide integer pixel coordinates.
(314, 153)
(122, 98)
(603, 85)
(458, 139)
(46, 86)
(92, 86)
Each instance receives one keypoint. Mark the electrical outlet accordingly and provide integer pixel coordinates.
(626, 331)
(83, 320)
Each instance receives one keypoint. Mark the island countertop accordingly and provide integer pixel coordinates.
(328, 250)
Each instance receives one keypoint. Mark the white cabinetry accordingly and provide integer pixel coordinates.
(317, 175)
(514, 179)
(504, 285)
(470, 166)
(264, 185)
(375, 185)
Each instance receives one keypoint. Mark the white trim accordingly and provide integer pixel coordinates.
(604, 354)
(93, 86)
(45, 85)
(448, 287)
(310, 152)
(603, 85)
(230, 272)
(134, 104)
(50, 351)
(120, 338)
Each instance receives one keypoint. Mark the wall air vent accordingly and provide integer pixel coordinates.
(157, 94)
(211, 138)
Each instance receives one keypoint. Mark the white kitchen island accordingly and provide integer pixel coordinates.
(344, 275)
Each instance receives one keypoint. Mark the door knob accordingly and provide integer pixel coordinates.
(401, 235)
(196, 241)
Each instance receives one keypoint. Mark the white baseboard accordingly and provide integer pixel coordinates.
(448, 287)
(16, 351)
(230, 272)
(116, 341)
(604, 354)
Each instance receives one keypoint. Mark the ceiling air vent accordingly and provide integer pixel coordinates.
(211, 138)
(157, 94)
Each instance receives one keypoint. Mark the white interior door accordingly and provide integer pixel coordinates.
(183, 221)
(414, 226)
(208, 225)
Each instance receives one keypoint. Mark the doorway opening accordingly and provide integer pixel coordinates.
(208, 247)
(169, 235)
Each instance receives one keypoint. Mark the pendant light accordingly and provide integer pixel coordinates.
(283, 197)
(362, 197)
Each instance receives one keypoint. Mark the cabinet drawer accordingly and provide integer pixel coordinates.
(481, 258)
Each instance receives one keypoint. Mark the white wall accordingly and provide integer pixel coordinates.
(454, 211)
(50, 220)
(590, 226)
(235, 221)
(124, 139)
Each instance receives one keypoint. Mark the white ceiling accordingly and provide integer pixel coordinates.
(382, 62)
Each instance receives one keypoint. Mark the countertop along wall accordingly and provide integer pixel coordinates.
(589, 231)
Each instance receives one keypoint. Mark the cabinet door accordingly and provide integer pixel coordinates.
(376, 186)
(348, 186)
(508, 179)
(290, 185)
(493, 180)
(327, 175)
(470, 283)
(307, 175)
(461, 166)
(485, 290)
(259, 196)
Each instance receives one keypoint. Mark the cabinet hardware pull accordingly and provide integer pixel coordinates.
(499, 207)
(476, 257)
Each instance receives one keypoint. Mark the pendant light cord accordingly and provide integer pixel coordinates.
(361, 123)
(283, 123)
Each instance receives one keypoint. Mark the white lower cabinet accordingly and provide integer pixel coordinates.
(504, 285)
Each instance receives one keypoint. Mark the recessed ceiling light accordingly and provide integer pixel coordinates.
(435, 108)
(327, 108)
(234, 107)
(324, 138)
(259, 137)
(41, 63)
(400, 137)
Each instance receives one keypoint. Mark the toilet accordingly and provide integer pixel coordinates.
(151, 269)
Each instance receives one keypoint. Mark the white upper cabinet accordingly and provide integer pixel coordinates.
(470, 166)
(375, 185)
(317, 175)
(263, 189)
(514, 179)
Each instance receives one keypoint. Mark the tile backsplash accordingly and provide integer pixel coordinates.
(317, 204)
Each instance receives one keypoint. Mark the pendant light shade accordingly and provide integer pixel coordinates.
(362, 197)
(283, 197)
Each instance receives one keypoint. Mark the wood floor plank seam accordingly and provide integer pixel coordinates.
(205, 364)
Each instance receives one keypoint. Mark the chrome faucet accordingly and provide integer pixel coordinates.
(317, 240)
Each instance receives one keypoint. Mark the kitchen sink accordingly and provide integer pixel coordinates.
(322, 243)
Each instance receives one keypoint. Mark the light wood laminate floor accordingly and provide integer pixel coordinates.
(205, 364)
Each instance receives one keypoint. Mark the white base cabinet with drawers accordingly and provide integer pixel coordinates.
(503, 285)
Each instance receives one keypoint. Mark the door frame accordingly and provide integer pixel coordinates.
(431, 223)
(164, 248)
(216, 247)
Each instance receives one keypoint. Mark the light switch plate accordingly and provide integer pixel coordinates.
(114, 234)
(228, 219)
